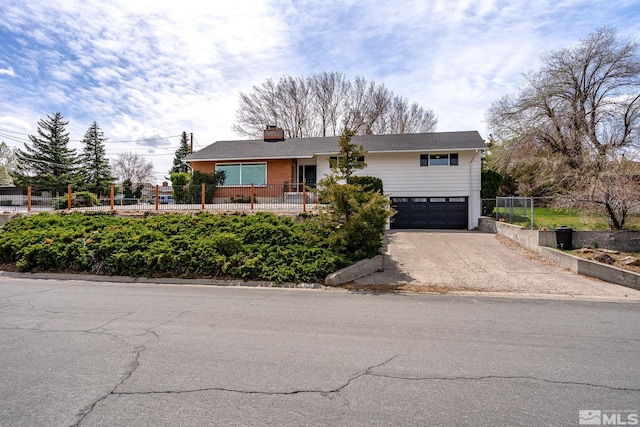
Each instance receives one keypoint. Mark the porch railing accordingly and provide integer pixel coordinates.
(295, 197)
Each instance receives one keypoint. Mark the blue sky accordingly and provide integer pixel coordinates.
(146, 70)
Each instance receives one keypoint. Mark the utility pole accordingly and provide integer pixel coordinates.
(190, 168)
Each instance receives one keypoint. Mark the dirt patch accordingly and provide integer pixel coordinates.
(586, 253)
(8, 267)
(617, 257)
(527, 253)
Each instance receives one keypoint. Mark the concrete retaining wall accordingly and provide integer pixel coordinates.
(355, 271)
(624, 241)
(488, 225)
(595, 269)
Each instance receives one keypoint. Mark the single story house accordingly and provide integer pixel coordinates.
(432, 179)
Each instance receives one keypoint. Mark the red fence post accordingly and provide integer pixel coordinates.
(69, 197)
(252, 196)
(29, 199)
(203, 195)
(111, 197)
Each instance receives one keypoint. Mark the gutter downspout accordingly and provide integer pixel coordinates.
(471, 206)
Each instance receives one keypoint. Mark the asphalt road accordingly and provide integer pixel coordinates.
(94, 354)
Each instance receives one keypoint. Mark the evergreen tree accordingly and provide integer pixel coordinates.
(182, 151)
(350, 157)
(48, 161)
(95, 173)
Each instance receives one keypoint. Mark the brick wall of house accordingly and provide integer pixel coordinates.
(280, 171)
(205, 167)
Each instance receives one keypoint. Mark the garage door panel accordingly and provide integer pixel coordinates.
(430, 212)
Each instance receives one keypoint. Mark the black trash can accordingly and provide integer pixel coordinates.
(564, 237)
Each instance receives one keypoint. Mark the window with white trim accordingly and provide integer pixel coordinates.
(448, 159)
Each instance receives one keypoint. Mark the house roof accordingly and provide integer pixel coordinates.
(310, 147)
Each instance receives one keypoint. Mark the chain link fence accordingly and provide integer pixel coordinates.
(514, 209)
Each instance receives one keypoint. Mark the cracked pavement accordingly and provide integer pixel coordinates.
(89, 354)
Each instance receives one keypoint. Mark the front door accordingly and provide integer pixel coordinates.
(307, 175)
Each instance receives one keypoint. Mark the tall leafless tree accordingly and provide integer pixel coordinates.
(582, 108)
(133, 167)
(326, 103)
(331, 91)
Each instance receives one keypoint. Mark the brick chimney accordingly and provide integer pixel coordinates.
(273, 133)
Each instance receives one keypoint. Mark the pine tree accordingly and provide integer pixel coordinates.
(350, 157)
(95, 172)
(48, 161)
(182, 151)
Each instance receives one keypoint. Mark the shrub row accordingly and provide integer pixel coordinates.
(252, 247)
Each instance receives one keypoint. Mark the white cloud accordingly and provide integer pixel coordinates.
(7, 71)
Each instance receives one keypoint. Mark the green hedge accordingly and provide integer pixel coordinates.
(78, 199)
(251, 247)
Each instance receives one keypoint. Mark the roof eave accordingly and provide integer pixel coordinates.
(248, 158)
(330, 153)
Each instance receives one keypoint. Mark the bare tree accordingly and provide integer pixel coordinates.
(402, 117)
(326, 103)
(258, 109)
(368, 103)
(133, 167)
(581, 110)
(294, 100)
(331, 91)
(610, 187)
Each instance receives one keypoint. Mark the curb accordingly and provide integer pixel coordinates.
(159, 280)
(315, 286)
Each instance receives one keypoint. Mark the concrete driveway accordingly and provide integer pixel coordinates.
(477, 261)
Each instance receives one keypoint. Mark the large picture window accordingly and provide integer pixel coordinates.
(244, 173)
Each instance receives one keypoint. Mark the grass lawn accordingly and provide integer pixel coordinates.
(551, 218)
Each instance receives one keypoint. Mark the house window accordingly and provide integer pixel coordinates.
(244, 173)
(438, 159)
(450, 159)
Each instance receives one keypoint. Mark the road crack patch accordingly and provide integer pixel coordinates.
(505, 377)
(132, 366)
(335, 390)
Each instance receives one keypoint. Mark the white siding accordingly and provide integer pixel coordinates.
(402, 176)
